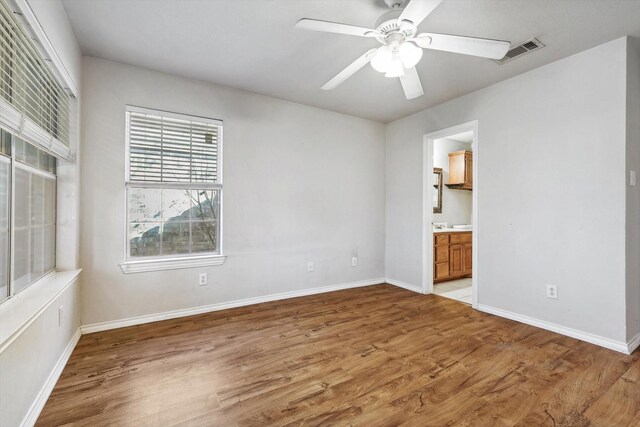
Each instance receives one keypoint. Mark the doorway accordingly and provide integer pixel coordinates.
(450, 214)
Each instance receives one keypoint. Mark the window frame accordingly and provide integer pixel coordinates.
(10, 225)
(14, 166)
(172, 261)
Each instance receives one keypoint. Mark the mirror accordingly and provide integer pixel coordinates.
(437, 195)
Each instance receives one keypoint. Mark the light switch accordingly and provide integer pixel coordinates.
(632, 178)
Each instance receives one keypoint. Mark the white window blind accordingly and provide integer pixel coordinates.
(169, 149)
(33, 104)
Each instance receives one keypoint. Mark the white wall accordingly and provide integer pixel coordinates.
(551, 192)
(633, 193)
(457, 205)
(301, 184)
(29, 360)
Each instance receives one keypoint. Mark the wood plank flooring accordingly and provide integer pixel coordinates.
(377, 355)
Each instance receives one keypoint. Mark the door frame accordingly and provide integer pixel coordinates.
(427, 206)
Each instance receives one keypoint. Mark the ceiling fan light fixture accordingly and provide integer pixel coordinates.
(410, 54)
(393, 60)
(382, 59)
(395, 68)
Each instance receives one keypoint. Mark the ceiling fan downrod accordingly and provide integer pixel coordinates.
(394, 4)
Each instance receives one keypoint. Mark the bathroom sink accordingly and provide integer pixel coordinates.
(463, 227)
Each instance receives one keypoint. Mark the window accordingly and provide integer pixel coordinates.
(34, 132)
(173, 190)
(28, 225)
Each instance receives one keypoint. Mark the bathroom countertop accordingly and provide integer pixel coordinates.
(452, 230)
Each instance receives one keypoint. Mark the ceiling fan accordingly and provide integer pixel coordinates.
(400, 50)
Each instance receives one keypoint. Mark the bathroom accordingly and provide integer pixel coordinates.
(453, 216)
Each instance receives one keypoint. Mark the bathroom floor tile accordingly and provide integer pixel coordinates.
(459, 290)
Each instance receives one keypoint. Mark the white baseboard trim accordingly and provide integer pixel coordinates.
(36, 407)
(619, 346)
(139, 320)
(404, 285)
(633, 344)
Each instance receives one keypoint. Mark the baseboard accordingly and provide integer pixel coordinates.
(37, 406)
(139, 320)
(619, 346)
(633, 344)
(404, 285)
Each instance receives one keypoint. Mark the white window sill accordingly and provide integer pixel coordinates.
(19, 311)
(171, 263)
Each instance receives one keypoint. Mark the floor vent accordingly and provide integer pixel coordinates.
(521, 49)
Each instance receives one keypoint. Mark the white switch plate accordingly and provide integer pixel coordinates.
(632, 178)
(310, 267)
(60, 315)
(204, 279)
(552, 291)
(354, 261)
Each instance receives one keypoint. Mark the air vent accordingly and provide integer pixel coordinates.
(521, 49)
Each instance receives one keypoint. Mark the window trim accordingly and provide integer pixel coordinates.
(172, 262)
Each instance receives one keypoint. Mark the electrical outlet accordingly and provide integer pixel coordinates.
(354, 261)
(310, 267)
(552, 291)
(60, 315)
(204, 278)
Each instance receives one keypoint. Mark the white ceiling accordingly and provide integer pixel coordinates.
(252, 44)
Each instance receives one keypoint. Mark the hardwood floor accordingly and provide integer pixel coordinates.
(377, 355)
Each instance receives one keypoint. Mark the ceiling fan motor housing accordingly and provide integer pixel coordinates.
(388, 24)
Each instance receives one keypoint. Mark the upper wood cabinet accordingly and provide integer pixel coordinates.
(461, 170)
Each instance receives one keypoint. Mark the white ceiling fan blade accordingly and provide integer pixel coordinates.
(411, 83)
(486, 48)
(349, 71)
(335, 27)
(417, 10)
